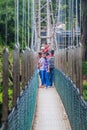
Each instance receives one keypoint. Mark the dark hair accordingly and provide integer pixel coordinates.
(52, 52)
(40, 53)
(47, 54)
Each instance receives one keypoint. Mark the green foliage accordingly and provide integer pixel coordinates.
(84, 67)
(85, 90)
(10, 92)
(10, 11)
(84, 72)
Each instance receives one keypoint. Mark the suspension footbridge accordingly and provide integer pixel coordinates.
(61, 107)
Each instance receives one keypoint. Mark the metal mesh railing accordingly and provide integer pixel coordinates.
(22, 115)
(74, 104)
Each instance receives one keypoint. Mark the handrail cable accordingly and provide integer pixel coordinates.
(6, 23)
(23, 24)
(28, 22)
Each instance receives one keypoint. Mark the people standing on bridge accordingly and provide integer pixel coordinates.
(51, 67)
(47, 71)
(42, 69)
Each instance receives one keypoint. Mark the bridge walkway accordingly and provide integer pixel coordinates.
(50, 113)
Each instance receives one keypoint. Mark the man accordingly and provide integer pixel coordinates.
(51, 67)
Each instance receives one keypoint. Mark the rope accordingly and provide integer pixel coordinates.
(22, 24)
(77, 40)
(6, 23)
(17, 22)
(25, 22)
(33, 18)
(28, 21)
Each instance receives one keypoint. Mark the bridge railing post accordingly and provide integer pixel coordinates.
(5, 88)
(26, 66)
(70, 63)
(22, 70)
(16, 74)
(79, 68)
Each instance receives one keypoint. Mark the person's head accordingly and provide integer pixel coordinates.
(42, 49)
(43, 54)
(39, 54)
(52, 52)
(47, 55)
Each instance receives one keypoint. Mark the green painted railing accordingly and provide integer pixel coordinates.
(74, 104)
(22, 115)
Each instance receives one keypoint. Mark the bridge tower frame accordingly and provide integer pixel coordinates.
(44, 20)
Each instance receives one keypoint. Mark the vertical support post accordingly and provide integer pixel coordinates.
(77, 69)
(70, 63)
(31, 63)
(23, 70)
(80, 69)
(5, 87)
(73, 64)
(26, 71)
(28, 64)
(65, 61)
(16, 74)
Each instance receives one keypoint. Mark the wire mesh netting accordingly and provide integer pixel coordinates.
(74, 104)
(22, 115)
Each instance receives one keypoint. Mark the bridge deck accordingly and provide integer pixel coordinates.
(50, 113)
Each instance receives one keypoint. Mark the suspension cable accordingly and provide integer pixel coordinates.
(69, 23)
(23, 24)
(65, 25)
(17, 22)
(80, 19)
(33, 24)
(28, 22)
(77, 22)
(6, 23)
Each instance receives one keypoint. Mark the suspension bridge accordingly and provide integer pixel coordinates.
(61, 107)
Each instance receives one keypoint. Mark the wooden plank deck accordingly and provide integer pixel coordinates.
(50, 113)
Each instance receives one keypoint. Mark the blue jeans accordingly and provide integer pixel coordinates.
(47, 78)
(51, 76)
(42, 75)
